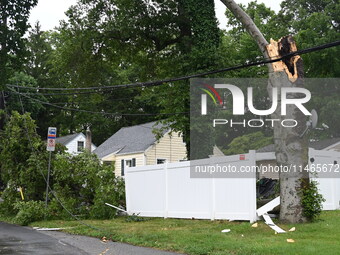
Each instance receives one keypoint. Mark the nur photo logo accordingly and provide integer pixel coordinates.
(279, 97)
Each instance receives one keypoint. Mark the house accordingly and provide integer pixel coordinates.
(138, 146)
(331, 144)
(74, 143)
(216, 152)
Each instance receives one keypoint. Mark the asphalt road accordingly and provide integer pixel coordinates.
(24, 240)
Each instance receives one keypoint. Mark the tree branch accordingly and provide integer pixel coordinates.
(249, 24)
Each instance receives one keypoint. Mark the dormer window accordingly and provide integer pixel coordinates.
(80, 147)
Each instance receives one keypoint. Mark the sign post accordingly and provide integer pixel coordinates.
(51, 137)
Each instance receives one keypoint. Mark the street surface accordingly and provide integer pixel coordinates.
(25, 240)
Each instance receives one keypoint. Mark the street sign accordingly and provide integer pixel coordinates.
(51, 136)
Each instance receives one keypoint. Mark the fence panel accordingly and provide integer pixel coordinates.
(168, 191)
(329, 185)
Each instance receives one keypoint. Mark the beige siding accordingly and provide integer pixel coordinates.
(139, 161)
(110, 157)
(169, 147)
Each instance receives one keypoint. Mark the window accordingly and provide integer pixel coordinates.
(161, 161)
(80, 146)
(130, 162)
(108, 163)
(127, 163)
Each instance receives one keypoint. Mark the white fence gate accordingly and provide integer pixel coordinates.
(166, 190)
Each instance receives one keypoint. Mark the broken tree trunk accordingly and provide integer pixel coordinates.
(291, 150)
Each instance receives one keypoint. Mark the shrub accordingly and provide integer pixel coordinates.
(23, 162)
(29, 212)
(10, 196)
(312, 201)
(110, 190)
(84, 185)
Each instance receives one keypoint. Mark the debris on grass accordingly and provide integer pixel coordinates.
(292, 229)
(49, 229)
(272, 225)
(263, 211)
(290, 240)
(226, 230)
(254, 225)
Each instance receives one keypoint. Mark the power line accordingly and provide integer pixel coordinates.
(101, 112)
(63, 103)
(161, 82)
(34, 150)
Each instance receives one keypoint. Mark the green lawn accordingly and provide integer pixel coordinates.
(205, 237)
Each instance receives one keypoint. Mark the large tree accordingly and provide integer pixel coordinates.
(114, 42)
(290, 147)
(13, 25)
(316, 23)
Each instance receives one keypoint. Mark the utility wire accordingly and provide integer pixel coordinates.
(161, 82)
(101, 112)
(44, 177)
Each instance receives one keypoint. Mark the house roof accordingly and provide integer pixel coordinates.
(323, 144)
(317, 145)
(129, 140)
(68, 138)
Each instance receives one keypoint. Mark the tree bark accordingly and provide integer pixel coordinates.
(291, 150)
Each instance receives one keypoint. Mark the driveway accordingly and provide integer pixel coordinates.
(24, 240)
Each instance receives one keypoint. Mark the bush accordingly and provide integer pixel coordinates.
(110, 190)
(312, 201)
(23, 162)
(29, 212)
(81, 183)
(84, 185)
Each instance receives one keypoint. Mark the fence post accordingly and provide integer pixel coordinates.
(253, 205)
(166, 190)
(213, 194)
(127, 191)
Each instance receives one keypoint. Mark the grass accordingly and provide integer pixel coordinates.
(205, 237)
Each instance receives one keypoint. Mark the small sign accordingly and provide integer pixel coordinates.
(51, 136)
(242, 157)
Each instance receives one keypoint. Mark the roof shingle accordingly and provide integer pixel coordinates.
(129, 140)
(66, 139)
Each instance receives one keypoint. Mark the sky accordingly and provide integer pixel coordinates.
(49, 12)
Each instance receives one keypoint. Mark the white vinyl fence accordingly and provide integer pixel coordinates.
(328, 176)
(166, 190)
